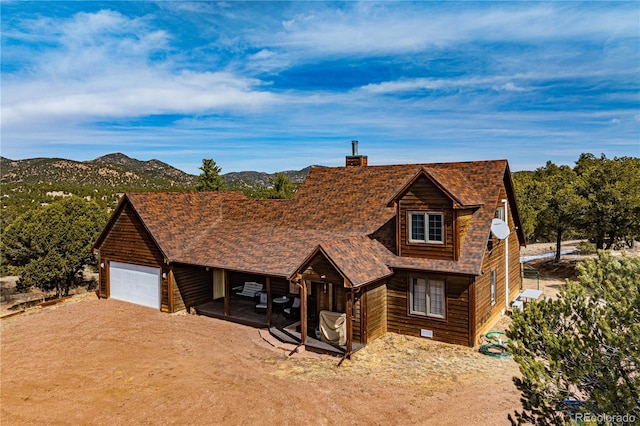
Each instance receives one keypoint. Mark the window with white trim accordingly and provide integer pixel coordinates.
(427, 297)
(493, 287)
(426, 227)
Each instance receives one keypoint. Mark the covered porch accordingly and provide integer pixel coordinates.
(291, 334)
(285, 329)
(250, 299)
(293, 308)
(243, 312)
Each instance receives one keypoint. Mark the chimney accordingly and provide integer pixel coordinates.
(355, 160)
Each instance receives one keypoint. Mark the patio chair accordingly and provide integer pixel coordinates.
(293, 311)
(250, 289)
(261, 306)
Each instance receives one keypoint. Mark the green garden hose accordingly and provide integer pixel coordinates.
(499, 337)
(495, 350)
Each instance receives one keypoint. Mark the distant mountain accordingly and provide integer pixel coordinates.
(154, 169)
(111, 171)
(261, 179)
(25, 184)
(121, 172)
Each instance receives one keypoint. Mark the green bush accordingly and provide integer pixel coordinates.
(586, 247)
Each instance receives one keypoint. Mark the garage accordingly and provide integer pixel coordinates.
(135, 283)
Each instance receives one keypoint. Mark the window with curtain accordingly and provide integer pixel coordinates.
(427, 297)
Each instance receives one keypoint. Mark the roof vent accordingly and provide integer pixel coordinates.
(354, 148)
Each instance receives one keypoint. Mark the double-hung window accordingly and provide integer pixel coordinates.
(426, 227)
(427, 297)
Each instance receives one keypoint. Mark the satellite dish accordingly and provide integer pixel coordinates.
(500, 229)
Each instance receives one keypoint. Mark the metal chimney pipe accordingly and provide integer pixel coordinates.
(354, 148)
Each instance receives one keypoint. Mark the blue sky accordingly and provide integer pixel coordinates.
(272, 86)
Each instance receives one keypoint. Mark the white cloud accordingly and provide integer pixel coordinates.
(88, 79)
(104, 69)
(510, 87)
(134, 94)
(395, 28)
(497, 83)
(288, 25)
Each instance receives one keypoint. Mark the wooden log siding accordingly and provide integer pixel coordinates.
(332, 300)
(129, 242)
(386, 235)
(376, 310)
(424, 196)
(237, 279)
(357, 325)
(464, 220)
(322, 266)
(515, 278)
(103, 277)
(453, 329)
(194, 285)
(279, 286)
(487, 314)
(165, 303)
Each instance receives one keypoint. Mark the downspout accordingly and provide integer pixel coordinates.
(506, 256)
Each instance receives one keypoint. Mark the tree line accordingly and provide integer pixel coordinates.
(597, 199)
(49, 242)
(579, 354)
(210, 180)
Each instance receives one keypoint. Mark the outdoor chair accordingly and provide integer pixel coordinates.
(250, 289)
(293, 311)
(261, 306)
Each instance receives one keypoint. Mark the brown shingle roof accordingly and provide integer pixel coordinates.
(336, 208)
(175, 219)
(361, 259)
(258, 248)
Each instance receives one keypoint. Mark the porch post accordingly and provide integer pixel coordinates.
(348, 311)
(227, 291)
(303, 312)
(170, 289)
(269, 307)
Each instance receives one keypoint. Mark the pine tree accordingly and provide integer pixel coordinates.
(282, 186)
(210, 179)
(579, 355)
(51, 244)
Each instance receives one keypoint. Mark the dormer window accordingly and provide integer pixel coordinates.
(426, 227)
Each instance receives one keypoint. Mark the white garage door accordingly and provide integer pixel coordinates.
(135, 283)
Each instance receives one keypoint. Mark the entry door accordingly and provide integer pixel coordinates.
(135, 283)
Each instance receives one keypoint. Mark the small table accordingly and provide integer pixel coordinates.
(531, 294)
(278, 304)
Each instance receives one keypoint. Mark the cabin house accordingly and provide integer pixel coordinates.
(359, 251)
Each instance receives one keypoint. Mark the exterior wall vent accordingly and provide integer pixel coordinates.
(426, 333)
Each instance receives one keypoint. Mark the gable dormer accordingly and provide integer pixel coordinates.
(427, 224)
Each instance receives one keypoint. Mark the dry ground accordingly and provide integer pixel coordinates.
(553, 275)
(109, 362)
(89, 361)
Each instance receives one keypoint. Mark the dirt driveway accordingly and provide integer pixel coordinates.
(109, 362)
